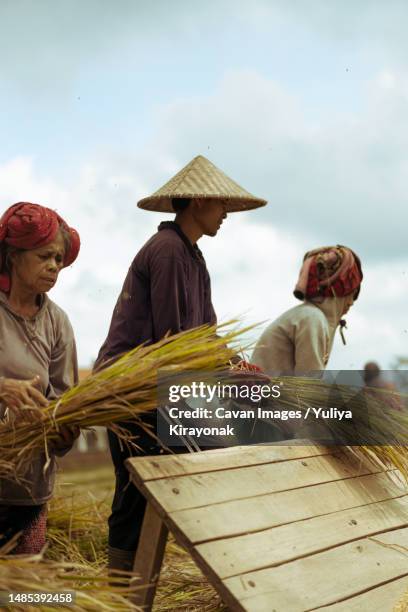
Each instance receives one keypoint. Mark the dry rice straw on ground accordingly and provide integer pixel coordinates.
(77, 520)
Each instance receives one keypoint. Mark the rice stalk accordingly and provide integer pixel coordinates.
(75, 526)
(181, 587)
(77, 529)
(402, 603)
(377, 431)
(128, 388)
(120, 392)
(94, 590)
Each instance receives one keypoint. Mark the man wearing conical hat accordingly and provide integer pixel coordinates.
(167, 289)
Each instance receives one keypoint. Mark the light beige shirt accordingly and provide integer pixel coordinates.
(43, 346)
(300, 340)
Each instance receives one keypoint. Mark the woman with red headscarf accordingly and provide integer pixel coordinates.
(38, 356)
(301, 339)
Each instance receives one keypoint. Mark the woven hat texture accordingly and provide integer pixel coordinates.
(201, 179)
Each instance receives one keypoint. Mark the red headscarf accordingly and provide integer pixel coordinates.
(30, 226)
(329, 272)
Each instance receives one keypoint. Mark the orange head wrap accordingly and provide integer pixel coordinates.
(329, 272)
(30, 226)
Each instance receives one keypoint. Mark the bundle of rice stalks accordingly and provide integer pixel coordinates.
(91, 589)
(128, 388)
(377, 431)
(121, 392)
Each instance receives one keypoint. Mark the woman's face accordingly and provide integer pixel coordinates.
(348, 302)
(37, 270)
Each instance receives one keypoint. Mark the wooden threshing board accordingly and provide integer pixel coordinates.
(277, 528)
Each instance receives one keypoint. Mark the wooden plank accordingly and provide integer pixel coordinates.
(184, 492)
(380, 599)
(163, 466)
(149, 557)
(326, 577)
(244, 516)
(233, 556)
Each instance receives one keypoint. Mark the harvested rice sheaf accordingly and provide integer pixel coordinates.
(120, 392)
(93, 589)
(381, 429)
(182, 587)
(128, 388)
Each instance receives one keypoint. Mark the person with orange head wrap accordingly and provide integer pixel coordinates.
(301, 339)
(38, 358)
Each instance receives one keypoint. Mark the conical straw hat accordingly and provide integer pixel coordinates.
(201, 179)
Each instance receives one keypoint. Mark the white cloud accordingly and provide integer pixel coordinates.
(378, 323)
(19, 183)
(342, 180)
(386, 80)
(253, 264)
(338, 179)
(254, 268)
(101, 205)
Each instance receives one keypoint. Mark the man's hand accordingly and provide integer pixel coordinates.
(22, 398)
(67, 434)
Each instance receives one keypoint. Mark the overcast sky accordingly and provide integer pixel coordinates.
(302, 103)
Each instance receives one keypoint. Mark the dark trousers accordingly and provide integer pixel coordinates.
(128, 506)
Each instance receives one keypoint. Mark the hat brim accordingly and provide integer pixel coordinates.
(232, 204)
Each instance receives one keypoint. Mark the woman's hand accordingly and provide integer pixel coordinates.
(22, 398)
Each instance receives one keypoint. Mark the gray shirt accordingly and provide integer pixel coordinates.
(43, 346)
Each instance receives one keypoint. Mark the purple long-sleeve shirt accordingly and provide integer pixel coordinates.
(167, 288)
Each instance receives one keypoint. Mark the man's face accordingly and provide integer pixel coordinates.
(209, 214)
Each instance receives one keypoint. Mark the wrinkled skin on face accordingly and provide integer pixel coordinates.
(208, 215)
(36, 271)
(33, 272)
